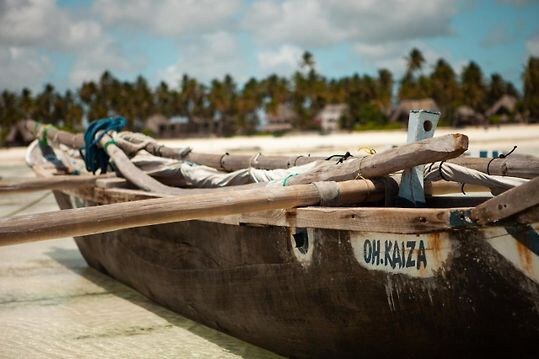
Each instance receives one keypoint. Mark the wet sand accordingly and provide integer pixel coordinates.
(53, 305)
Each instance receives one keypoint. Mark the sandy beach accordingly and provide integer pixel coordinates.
(53, 304)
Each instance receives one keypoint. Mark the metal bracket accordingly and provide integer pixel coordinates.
(421, 125)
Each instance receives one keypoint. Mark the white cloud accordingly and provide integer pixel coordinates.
(282, 61)
(309, 23)
(94, 60)
(42, 23)
(169, 17)
(532, 45)
(22, 67)
(391, 56)
(301, 22)
(33, 27)
(212, 56)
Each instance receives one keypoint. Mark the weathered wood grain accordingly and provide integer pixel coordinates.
(508, 203)
(380, 164)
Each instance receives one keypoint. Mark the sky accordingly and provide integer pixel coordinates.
(66, 42)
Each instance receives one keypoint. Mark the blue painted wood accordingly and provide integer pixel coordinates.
(421, 125)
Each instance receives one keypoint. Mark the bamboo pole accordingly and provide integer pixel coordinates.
(106, 218)
(23, 185)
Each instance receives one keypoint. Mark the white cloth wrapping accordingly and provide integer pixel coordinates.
(190, 174)
(457, 173)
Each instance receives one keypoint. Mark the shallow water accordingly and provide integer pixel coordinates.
(53, 305)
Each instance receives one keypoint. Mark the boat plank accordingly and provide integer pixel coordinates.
(508, 203)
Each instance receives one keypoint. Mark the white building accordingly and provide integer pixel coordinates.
(330, 116)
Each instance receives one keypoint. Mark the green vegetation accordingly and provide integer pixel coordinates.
(228, 109)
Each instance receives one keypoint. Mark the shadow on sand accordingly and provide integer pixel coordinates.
(72, 260)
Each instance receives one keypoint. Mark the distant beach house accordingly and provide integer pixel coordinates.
(504, 110)
(329, 118)
(280, 120)
(402, 111)
(18, 135)
(177, 126)
(467, 116)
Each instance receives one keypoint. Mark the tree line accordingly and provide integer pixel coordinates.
(232, 109)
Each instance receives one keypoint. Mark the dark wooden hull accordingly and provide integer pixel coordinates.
(469, 293)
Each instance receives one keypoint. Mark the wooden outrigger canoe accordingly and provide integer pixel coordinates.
(334, 281)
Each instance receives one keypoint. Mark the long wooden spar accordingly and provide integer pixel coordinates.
(106, 218)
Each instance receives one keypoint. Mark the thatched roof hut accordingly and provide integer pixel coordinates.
(505, 105)
(402, 111)
(157, 123)
(505, 109)
(18, 135)
(465, 115)
(281, 119)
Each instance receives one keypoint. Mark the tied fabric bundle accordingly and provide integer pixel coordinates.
(96, 157)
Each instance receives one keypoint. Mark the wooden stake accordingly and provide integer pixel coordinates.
(106, 218)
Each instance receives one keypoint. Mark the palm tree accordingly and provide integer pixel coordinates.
(144, 99)
(307, 61)
(222, 96)
(249, 101)
(26, 103)
(45, 105)
(191, 102)
(275, 91)
(445, 89)
(530, 78)
(473, 86)
(415, 61)
(384, 88)
(164, 100)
